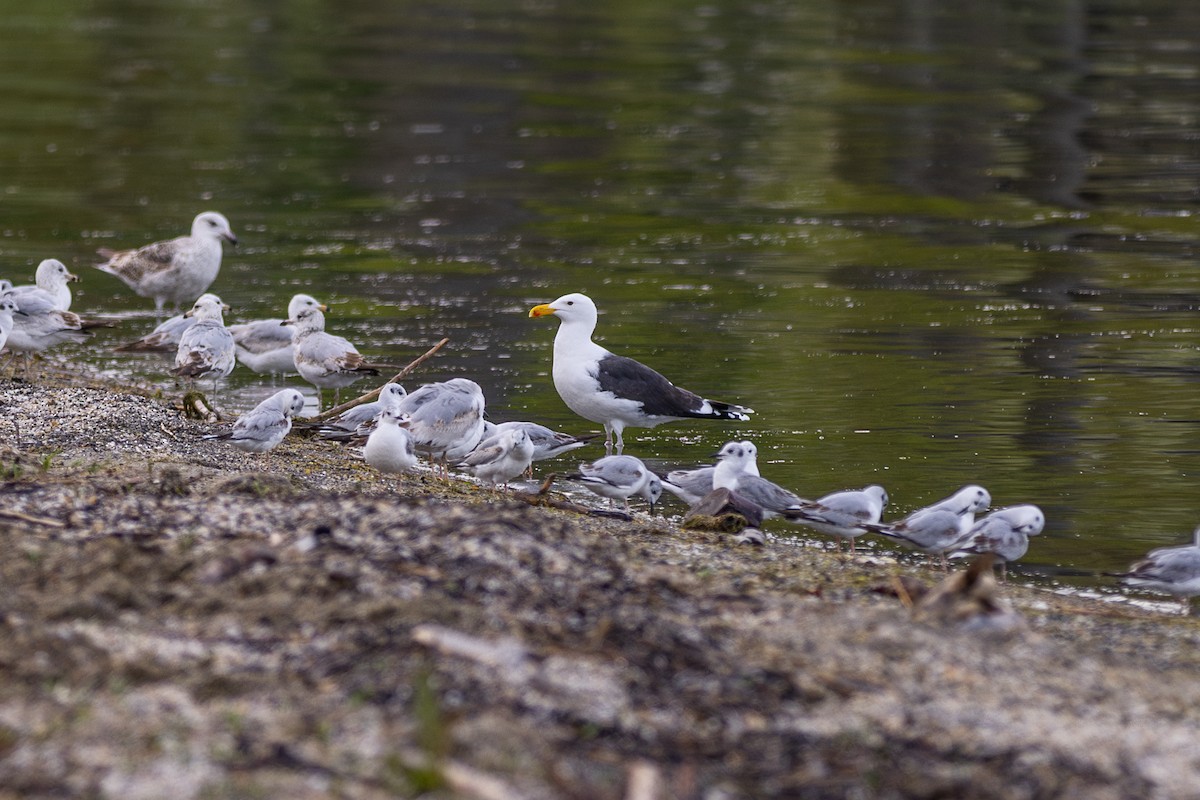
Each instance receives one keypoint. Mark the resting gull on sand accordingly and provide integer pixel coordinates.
(1170, 570)
(263, 427)
(619, 478)
(1005, 533)
(936, 529)
(843, 514)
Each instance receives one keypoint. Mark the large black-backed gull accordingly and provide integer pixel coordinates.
(613, 390)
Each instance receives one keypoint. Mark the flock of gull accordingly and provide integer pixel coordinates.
(445, 421)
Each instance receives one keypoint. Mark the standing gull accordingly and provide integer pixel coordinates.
(737, 470)
(937, 529)
(691, 485)
(263, 427)
(165, 337)
(1005, 533)
(620, 478)
(445, 420)
(178, 269)
(265, 345)
(500, 458)
(843, 514)
(324, 360)
(1170, 570)
(615, 391)
(206, 348)
(50, 282)
(389, 448)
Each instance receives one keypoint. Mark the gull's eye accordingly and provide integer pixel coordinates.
(570, 302)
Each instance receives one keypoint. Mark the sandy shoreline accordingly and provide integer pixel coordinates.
(179, 618)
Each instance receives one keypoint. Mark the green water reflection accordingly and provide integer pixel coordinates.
(930, 246)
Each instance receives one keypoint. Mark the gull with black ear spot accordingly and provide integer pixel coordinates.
(7, 309)
(613, 390)
(737, 471)
(936, 529)
(620, 478)
(500, 458)
(389, 448)
(843, 514)
(178, 269)
(1170, 570)
(692, 485)
(324, 360)
(1004, 533)
(262, 428)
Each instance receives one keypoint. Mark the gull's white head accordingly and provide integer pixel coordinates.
(1027, 519)
(290, 402)
(52, 274)
(309, 319)
(733, 460)
(878, 496)
(207, 307)
(568, 308)
(391, 394)
(303, 301)
(212, 225)
(973, 499)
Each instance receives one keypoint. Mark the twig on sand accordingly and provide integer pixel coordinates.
(43, 521)
(374, 393)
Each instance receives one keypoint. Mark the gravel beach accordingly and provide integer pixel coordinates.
(181, 619)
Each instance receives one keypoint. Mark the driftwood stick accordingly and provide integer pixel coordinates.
(374, 393)
(17, 515)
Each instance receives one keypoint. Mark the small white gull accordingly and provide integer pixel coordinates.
(360, 420)
(500, 458)
(613, 390)
(265, 426)
(736, 471)
(619, 478)
(178, 269)
(547, 443)
(692, 485)
(206, 348)
(389, 448)
(1170, 570)
(937, 528)
(265, 345)
(843, 514)
(165, 337)
(1005, 533)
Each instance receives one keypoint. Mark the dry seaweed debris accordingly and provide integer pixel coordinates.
(203, 627)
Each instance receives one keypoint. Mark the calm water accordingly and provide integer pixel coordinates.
(929, 246)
